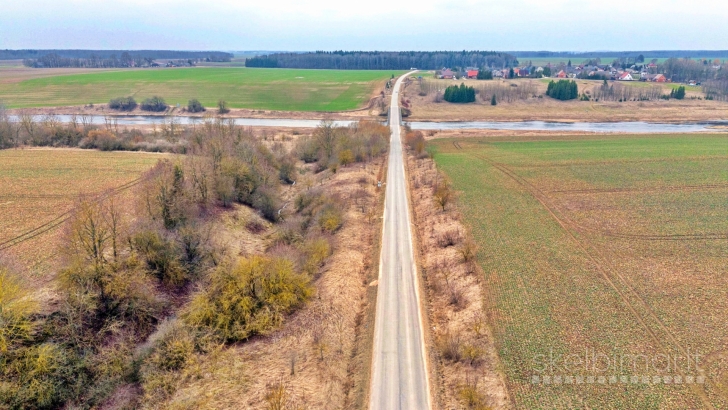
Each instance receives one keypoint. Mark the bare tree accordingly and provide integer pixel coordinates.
(325, 136)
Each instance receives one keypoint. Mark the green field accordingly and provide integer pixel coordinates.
(593, 246)
(255, 88)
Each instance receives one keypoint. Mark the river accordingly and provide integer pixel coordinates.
(590, 127)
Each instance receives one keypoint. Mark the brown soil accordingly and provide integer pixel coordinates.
(15, 73)
(455, 294)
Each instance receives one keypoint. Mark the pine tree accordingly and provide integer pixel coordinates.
(493, 101)
(563, 90)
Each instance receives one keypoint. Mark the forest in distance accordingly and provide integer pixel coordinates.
(106, 54)
(384, 60)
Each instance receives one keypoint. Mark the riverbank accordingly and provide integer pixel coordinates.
(150, 121)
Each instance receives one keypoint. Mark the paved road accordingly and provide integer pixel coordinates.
(399, 372)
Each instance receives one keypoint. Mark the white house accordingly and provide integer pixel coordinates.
(626, 77)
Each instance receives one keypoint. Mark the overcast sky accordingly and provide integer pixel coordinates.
(568, 25)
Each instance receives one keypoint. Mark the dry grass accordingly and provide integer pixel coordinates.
(15, 73)
(463, 347)
(548, 109)
(308, 363)
(39, 186)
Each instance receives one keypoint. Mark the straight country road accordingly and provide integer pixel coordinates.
(399, 368)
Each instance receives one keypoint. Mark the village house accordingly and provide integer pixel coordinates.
(447, 74)
(625, 76)
(660, 78)
(472, 74)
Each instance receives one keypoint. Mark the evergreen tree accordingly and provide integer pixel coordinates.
(493, 100)
(679, 93)
(484, 74)
(459, 94)
(511, 73)
(563, 90)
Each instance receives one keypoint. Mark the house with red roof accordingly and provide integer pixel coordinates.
(472, 73)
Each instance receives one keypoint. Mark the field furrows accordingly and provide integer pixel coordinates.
(633, 302)
(58, 220)
(678, 188)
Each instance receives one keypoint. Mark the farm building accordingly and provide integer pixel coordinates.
(447, 74)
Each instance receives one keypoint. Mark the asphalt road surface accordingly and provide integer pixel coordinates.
(399, 370)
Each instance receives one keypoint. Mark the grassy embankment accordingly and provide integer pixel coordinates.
(269, 89)
(611, 245)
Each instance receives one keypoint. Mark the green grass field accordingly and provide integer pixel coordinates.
(591, 246)
(269, 89)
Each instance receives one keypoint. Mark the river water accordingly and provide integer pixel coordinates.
(591, 127)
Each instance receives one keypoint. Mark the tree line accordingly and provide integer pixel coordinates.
(381, 60)
(716, 90)
(621, 54)
(217, 56)
(54, 60)
(681, 70)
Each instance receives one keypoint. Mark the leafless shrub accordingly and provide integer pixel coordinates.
(255, 226)
(442, 193)
(448, 238)
(278, 398)
(467, 250)
(472, 354)
(450, 347)
(470, 396)
(504, 92)
(620, 92)
(360, 195)
(456, 297)
(319, 341)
